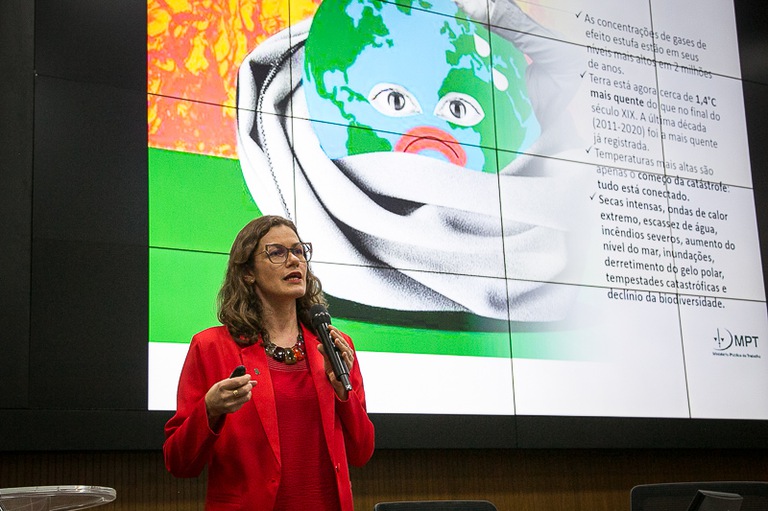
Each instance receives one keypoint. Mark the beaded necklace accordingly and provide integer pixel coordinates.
(286, 355)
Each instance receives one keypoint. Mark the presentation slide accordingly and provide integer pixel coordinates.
(516, 208)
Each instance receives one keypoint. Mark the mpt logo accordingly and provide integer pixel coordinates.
(725, 339)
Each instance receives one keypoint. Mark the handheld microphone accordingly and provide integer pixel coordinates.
(320, 321)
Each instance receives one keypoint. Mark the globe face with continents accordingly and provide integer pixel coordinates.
(418, 77)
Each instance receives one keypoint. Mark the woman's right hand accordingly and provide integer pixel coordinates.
(227, 396)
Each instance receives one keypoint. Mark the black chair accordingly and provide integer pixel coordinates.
(436, 505)
(678, 496)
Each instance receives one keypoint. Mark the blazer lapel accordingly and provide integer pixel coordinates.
(263, 394)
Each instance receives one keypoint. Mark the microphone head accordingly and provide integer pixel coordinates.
(319, 315)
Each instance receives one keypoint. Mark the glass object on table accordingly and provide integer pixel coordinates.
(54, 498)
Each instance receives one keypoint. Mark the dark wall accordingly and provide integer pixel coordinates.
(16, 104)
(73, 185)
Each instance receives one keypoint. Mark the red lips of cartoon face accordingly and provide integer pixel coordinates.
(429, 138)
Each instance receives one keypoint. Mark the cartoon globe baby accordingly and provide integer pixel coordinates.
(413, 143)
(402, 79)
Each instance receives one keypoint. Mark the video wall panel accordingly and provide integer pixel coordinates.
(530, 209)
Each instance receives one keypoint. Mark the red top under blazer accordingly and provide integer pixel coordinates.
(243, 457)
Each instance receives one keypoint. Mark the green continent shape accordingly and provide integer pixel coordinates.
(334, 28)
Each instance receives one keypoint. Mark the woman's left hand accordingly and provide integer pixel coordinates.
(347, 355)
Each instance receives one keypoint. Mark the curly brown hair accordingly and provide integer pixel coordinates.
(239, 307)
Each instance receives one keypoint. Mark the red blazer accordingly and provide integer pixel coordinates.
(243, 458)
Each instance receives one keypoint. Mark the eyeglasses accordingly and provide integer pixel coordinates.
(278, 254)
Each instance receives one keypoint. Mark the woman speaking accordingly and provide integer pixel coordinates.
(280, 436)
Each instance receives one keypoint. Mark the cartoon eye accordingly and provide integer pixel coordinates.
(460, 109)
(393, 100)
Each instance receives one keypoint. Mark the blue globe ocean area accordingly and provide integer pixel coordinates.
(383, 77)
